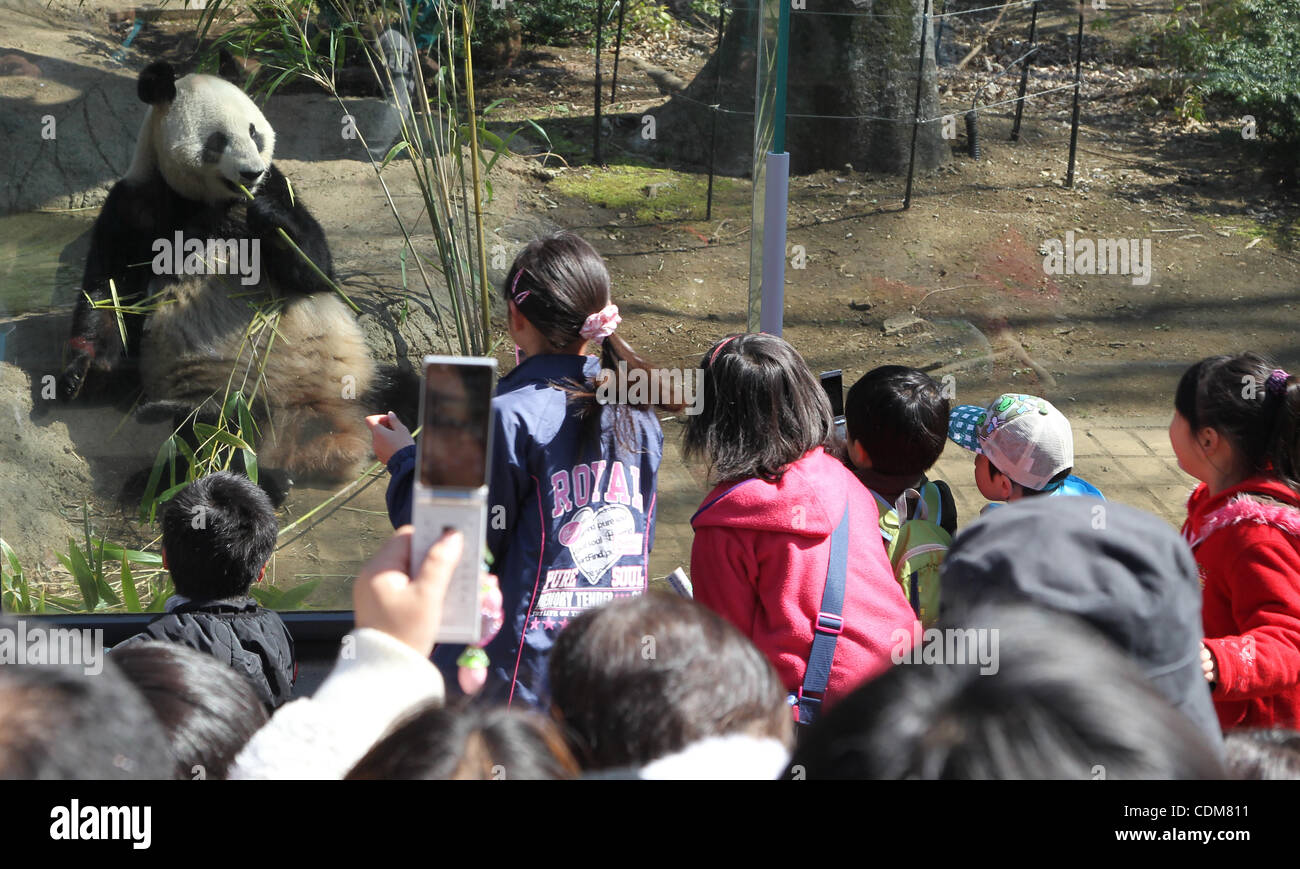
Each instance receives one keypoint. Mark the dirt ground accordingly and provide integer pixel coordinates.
(966, 260)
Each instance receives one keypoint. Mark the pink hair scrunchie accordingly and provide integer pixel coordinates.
(601, 324)
(1276, 384)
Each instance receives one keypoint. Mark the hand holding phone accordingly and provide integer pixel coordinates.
(405, 598)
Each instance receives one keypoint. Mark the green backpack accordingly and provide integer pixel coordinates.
(916, 547)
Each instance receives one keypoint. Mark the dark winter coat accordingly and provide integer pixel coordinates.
(238, 633)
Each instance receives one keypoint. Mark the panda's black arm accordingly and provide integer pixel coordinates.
(275, 207)
(121, 241)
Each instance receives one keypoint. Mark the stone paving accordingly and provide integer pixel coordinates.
(1130, 461)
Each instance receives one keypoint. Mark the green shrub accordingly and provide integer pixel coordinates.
(1252, 61)
(1240, 55)
(558, 22)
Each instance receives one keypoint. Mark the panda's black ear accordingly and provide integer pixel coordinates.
(157, 83)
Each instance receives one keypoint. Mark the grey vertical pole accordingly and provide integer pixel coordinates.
(777, 189)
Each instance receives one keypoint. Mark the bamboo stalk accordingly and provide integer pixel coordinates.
(466, 20)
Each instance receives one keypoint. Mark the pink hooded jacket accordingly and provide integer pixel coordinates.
(1246, 540)
(759, 560)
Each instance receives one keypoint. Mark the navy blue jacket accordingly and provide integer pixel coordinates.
(568, 528)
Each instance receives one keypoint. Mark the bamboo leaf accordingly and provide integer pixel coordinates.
(166, 456)
(76, 564)
(393, 152)
(210, 433)
(135, 556)
(106, 592)
(129, 594)
(11, 557)
(250, 464)
(188, 454)
(293, 598)
(62, 603)
(20, 592)
(160, 596)
(167, 496)
(205, 431)
(247, 428)
(117, 308)
(267, 597)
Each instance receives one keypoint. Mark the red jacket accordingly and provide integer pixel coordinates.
(1248, 551)
(759, 560)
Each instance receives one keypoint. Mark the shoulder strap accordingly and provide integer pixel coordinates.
(938, 513)
(828, 625)
(883, 509)
(922, 510)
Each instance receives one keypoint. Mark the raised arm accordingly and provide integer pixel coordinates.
(277, 206)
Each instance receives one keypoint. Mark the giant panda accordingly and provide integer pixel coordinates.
(202, 138)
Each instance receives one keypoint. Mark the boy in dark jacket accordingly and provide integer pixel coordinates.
(218, 534)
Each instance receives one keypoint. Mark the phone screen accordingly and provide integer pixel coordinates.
(833, 383)
(456, 421)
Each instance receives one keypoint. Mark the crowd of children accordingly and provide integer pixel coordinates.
(818, 564)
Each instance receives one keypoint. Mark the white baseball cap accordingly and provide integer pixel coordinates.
(1024, 436)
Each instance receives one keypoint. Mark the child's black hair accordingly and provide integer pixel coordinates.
(218, 533)
(1052, 484)
(469, 741)
(557, 282)
(207, 709)
(1237, 397)
(762, 409)
(59, 723)
(644, 677)
(900, 417)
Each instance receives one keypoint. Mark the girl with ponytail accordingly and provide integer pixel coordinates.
(571, 502)
(1236, 428)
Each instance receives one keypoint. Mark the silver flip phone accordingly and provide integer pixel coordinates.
(451, 483)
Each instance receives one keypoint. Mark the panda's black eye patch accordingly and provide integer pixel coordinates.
(215, 146)
(255, 136)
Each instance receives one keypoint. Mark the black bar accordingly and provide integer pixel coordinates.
(1024, 73)
(307, 627)
(916, 109)
(1078, 79)
(717, 95)
(618, 49)
(595, 130)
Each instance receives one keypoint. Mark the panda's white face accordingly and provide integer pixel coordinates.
(210, 140)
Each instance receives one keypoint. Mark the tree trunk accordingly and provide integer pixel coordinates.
(860, 66)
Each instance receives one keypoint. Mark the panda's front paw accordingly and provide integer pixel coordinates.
(264, 216)
(275, 483)
(73, 377)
